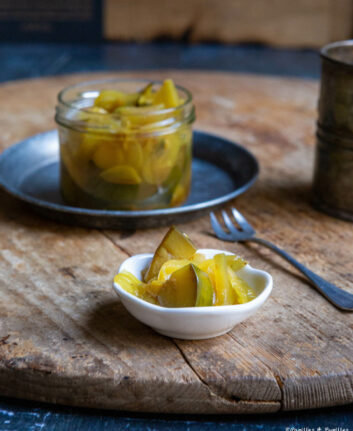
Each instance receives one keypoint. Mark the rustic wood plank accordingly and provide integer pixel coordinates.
(65, 336)
(67, 339)
(278, 22)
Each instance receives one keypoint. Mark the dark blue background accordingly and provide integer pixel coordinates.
(28, 20)
(22, 415)
(32, 60)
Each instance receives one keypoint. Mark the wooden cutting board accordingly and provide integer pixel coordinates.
(65, 337)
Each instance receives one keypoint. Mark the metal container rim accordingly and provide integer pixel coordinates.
(325, 52)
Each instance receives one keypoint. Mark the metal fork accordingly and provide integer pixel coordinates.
(338, 297)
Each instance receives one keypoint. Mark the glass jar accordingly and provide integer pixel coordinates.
(137, 159)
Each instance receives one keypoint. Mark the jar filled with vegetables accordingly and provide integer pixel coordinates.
(125, 145)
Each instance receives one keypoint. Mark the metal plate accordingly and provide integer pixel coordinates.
(221, 170)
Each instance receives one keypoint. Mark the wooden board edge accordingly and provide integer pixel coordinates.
(125, 395)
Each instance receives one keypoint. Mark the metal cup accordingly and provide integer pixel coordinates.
(333, 175)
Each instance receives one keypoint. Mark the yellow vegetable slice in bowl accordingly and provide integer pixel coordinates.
(235, 263)
(223, 287)
(171, 266)
(240, 288)
(187, 287)
(129, 282)
(180, 290)
(133, 285)
(205, 293)
(175, 244)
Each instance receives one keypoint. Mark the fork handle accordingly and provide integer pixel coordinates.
(338, 297)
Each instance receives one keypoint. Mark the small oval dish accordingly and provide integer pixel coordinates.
(193, 323)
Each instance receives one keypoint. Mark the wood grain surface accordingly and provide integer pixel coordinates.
(286, 23)
(65, 337)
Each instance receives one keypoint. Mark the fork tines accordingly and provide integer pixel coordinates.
(231, 232)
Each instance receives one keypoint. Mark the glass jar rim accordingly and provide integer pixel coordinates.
(327, 52)
(135, 112)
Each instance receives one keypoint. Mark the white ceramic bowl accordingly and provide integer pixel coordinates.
(193, 323)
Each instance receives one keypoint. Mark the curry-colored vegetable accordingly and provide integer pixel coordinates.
(180, 277)
(186, 287)
(133, 285)
(175, 245)
(223, 287)
(123, 174)
(180, 290)
(167, 95)
(205, 291)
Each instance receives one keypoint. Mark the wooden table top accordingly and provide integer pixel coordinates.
(65, 337)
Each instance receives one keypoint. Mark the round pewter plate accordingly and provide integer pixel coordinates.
(221, 170)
